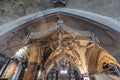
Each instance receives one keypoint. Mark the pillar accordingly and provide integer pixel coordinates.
(32, 56)
(31, 71)
(18, 69)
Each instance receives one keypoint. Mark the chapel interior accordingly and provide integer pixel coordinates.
(58, 42)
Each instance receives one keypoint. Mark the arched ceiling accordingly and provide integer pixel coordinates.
(104, 30)
(67, 43)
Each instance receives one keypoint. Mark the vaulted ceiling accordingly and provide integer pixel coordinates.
(105, 36)
(82, 37)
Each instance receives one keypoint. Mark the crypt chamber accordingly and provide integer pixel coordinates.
(61, 44)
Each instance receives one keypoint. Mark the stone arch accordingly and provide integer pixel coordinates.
(83, 14)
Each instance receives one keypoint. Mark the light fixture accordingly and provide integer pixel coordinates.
(63, 71)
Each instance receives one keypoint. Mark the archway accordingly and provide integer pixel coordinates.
(61, 33)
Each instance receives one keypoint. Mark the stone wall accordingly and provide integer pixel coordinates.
(103, 7)
(13, 9)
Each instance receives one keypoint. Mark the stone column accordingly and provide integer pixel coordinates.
(31, 71)
(18, 69)
(33, 54)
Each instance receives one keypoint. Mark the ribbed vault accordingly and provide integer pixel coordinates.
(86, 55)
(57, 34)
